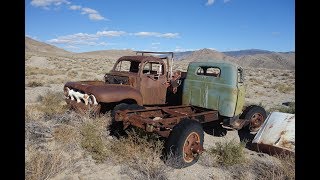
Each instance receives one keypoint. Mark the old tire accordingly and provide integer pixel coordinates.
(180, 142)
(255, 115)
(116, 127)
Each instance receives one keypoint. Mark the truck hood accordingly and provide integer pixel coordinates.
(106, 92)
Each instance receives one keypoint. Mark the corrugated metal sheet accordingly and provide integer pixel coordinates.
(277, 134)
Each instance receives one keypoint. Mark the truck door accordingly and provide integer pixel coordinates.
(201, 89)
(152, 84)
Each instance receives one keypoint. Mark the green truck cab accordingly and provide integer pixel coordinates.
(215, 84)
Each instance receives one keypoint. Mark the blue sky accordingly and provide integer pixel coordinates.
(162, 25)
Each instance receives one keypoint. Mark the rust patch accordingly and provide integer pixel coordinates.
(161, 120)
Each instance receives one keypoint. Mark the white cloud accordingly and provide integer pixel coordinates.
(92, 39)
(169, 35)
(156, 34)
(96, 17)
(46, 3)
(75, 7)
(92, 14)
(146, 34)
(79, 38)
(209, 2)
(225, 1)
(88, 11)
(111, 33)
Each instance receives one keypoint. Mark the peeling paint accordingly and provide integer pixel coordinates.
(277, 134)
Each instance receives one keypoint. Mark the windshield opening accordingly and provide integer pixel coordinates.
(128, 66)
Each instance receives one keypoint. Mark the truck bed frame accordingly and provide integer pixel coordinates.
(161, 120)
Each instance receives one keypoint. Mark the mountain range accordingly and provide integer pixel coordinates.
(255, 58)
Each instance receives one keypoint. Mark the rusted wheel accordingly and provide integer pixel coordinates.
(184, 144)
(256, 121)
(190, 146)
(255, 115)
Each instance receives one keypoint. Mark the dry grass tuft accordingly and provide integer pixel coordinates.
(32, 113)
(290, 109)
(36, 71)
(229, 153)
(72, 74)
(283, 170)
(44, 164)
(52, 103)
(256, 81)
(283, 88)
(93, 143)
(140, 156)
(34, 84)
(66, 134)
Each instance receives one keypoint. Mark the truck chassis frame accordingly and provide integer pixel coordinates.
(161, 120)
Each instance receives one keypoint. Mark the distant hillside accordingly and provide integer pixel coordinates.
(180, 55)
(270, 61)
(109, 54)
(247, 58)
(207, 54)
(34, 46)
(246, 52)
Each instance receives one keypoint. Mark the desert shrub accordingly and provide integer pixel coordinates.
(208, 160)
(289, 109)
(52, 103)
(72, 74)
(140, 156)
(32, 113)
(34, 84)
(278, 171)
(56, 81)
(93, 142)
(256, 81)
(283, 88)
(65, 134)
(43, 164)
(85, 75)
(36, 70)
(229, 152)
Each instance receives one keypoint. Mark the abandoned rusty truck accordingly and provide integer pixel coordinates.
(139, 93)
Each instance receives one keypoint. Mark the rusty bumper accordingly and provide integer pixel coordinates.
(81, 108)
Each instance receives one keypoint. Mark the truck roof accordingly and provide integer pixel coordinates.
(141, 58)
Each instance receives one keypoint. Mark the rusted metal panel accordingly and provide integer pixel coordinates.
(161, 120)
(277, 134)
(153, 83)
(217, 93)
(106, 92)
(82, 108)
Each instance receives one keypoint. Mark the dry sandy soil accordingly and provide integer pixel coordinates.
(267, 87)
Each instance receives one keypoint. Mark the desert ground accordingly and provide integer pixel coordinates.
(60, 144)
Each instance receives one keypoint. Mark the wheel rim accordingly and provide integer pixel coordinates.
(189, 147)
(256, 121)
